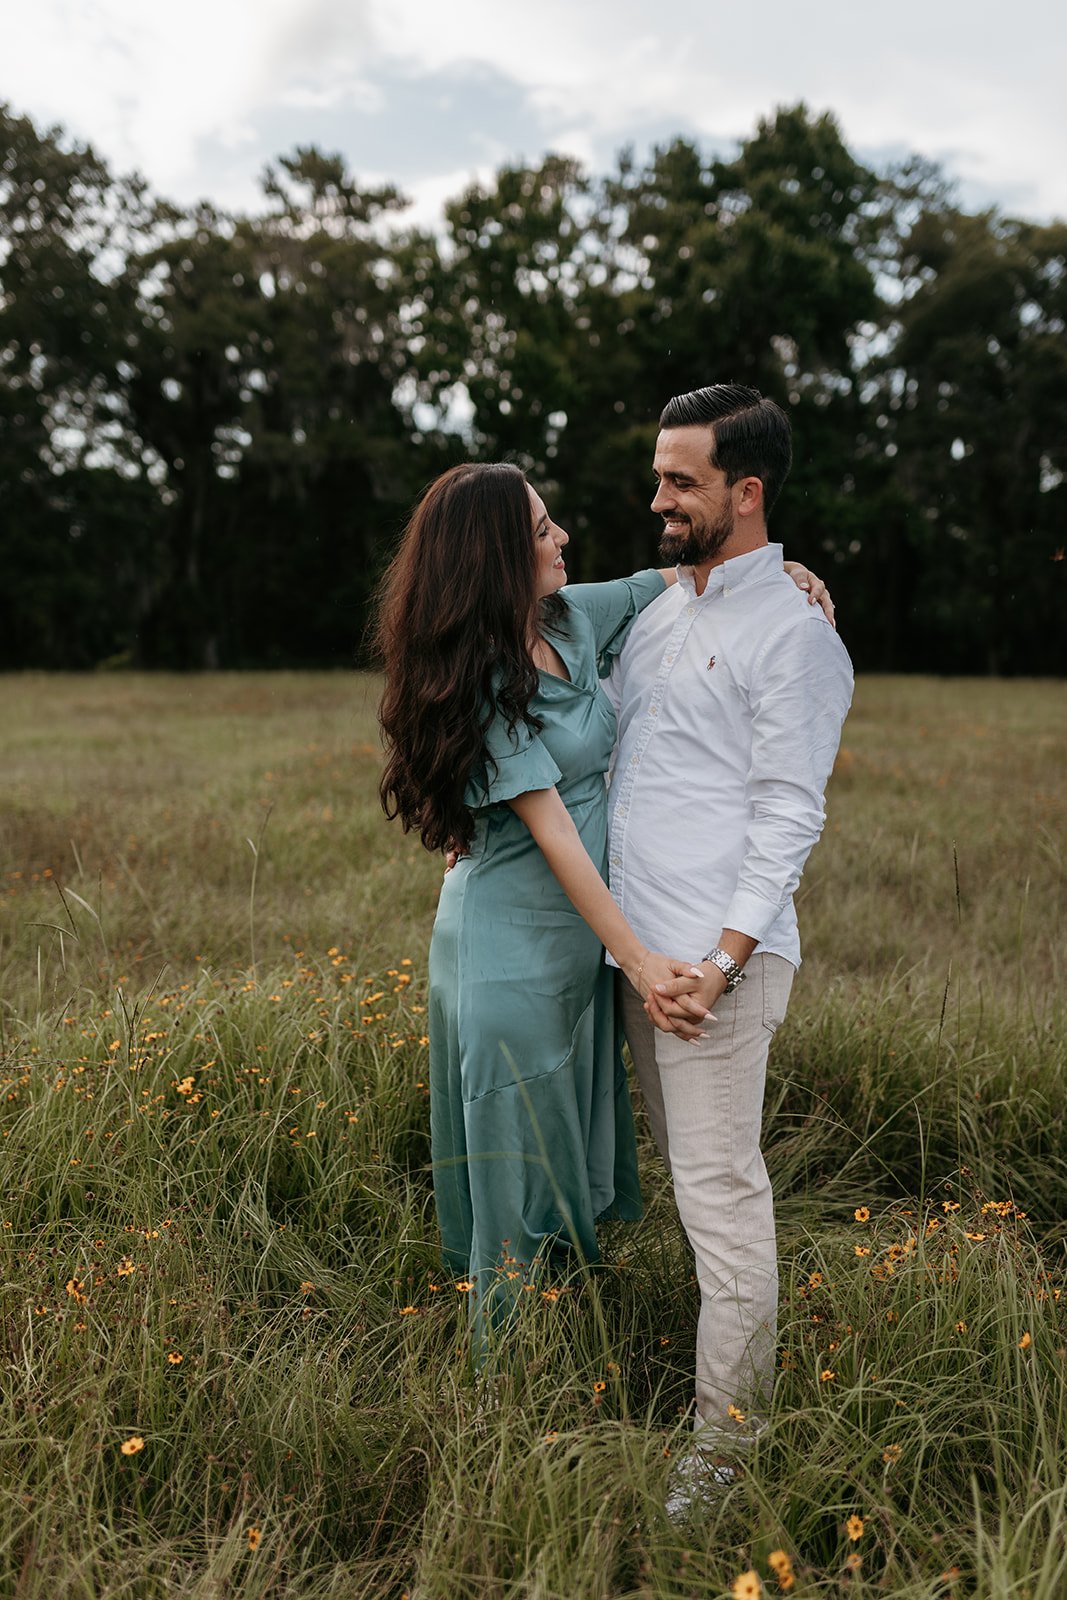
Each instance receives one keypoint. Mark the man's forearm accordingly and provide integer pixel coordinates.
(738, 946)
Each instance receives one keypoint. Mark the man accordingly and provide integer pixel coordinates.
(731, 691)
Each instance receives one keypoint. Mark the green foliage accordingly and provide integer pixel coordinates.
(981, 367)
(72, 539)
(211, 427)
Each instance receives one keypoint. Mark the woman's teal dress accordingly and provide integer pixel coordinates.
(531, 1132)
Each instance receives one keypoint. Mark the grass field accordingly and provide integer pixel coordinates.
(231, 1366)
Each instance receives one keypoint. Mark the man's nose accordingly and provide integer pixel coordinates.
(662, 500)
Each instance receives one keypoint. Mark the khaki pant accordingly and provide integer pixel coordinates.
(705, 1104)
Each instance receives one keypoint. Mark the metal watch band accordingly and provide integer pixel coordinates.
(728, 967)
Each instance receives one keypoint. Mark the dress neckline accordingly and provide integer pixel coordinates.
(565, 675)
(569, 649)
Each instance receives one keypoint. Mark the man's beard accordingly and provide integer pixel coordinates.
(698, 543)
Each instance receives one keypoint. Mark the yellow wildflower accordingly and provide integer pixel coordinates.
(131, 1446)
(862, 1213)
(747, 1586)
(782, 1567)
(854, 1528)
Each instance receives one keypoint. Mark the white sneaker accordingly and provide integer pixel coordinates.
(695, 1480)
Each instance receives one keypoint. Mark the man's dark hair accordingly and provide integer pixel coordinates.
(750, 435)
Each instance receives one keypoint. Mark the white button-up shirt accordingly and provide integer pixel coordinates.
(730, 705)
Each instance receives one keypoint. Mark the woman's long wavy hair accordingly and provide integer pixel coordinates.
(454, 614)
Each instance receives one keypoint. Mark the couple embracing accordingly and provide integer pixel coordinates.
(713, 691)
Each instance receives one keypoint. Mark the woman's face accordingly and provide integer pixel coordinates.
(549, 540)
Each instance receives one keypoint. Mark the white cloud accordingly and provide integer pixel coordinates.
(154, 87)
(148, 84)
(966, 79)
(309, 96)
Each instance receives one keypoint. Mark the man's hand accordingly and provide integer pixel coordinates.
(682, 1003)
(817, 592)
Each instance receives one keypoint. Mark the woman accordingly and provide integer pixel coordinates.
(498, 738)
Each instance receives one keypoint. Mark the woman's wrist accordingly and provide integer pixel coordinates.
(634, 967)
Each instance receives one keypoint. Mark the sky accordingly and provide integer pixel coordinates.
(200, 96)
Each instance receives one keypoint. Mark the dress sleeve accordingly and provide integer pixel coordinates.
(612, 608)
(514, 762)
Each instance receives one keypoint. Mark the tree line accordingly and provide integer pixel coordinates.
(212, 426)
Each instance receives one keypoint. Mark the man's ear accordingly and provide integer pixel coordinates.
(748, 496)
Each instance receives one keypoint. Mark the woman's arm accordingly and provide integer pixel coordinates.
(817, 592)
(554, 831)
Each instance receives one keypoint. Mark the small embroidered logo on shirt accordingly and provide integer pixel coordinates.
(711, 662)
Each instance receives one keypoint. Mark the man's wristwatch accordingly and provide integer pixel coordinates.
(729, 968)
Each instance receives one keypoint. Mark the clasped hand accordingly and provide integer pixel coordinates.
(680, 996)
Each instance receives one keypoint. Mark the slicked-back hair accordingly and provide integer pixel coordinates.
(452, 632)
(750, 434)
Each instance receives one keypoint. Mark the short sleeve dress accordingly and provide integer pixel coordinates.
(531, 1132)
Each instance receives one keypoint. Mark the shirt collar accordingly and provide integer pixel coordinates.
(730, 575)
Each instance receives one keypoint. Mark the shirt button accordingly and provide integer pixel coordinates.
(653, 711)
(635, 761)
(615, 860)
(690, 611)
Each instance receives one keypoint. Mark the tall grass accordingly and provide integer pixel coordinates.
(217, 1226)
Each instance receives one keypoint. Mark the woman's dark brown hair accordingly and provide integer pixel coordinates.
(452, 630)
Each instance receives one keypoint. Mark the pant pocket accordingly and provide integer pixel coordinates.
(777, 979)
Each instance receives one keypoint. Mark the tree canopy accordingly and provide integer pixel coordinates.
(212, 426)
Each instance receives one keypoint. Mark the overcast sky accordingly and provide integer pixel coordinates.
(199, 95)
